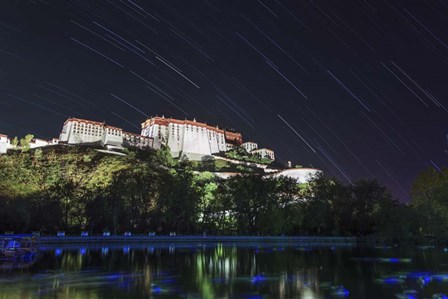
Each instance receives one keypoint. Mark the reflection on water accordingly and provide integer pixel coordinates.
(228, 271)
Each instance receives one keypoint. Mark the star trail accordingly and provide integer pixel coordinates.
(355, 88)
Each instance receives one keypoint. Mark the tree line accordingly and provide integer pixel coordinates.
(81, 189)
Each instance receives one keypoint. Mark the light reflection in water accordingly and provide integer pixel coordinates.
(225, 271)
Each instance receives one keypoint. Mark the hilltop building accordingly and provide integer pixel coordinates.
(185, 138)
(36, 142)
(264, 153)
(82, 131)
(249, 146)
(4, 143)
(189, 138)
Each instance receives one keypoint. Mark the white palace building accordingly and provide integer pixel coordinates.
(189, 138)
(185, 138)
(81, 131)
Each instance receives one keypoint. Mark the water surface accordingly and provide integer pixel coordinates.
(228, 271)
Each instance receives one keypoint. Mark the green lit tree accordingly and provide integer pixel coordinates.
(25, 142)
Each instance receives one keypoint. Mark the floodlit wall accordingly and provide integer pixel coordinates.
(301, 175)
(190, 139)
(3, 144)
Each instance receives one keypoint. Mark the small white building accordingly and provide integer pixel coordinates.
(82, 131)
(36, 142)
(249, 146)
(264, 153)
(4, 143)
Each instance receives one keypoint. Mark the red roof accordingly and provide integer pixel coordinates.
(84, 121)
(234, 137)
(113, 128)
(166, 121)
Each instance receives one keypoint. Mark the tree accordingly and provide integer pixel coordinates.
(164, 157)
(206, 186)
(369, 199)
(25, 142)
(429, 198)
(259, 204)
(333, 208)
(323, 207)
(15, 142)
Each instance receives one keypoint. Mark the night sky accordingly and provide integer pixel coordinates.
(356, 88)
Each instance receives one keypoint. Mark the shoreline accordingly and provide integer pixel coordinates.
(139, 239)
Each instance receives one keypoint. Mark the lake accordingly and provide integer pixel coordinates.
(228, 271)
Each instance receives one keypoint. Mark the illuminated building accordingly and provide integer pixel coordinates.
(264, 153)
(249, 146)
(4, 143)
(189, 138)
(82, 131)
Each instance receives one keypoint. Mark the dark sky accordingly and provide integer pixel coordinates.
(356, 88)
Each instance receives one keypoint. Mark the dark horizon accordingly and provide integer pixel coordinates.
(355, 89)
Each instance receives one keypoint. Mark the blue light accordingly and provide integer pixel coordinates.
(440, 277)
(156, 289)
(340, 292)
(168, 280)
(392, 280)
(58, 252)
(258, 278)
(394, 260)
(406, 296)
(82, 251)
(424, 280)
(439, 296)
(417, 274)
(113, 276)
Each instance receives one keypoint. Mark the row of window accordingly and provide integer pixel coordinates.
(82, 125)
(78, 131)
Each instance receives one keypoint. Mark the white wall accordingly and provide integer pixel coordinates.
(38, 143)
(249, 146)
(301, 175)
(4, 144)
(175, 138)
(75, 132)
(2, 147)
(196, 143)
(112, 137)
